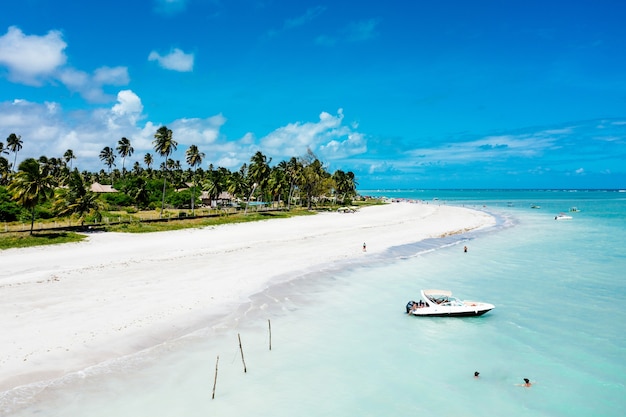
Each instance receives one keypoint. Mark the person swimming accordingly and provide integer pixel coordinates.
(526, 383)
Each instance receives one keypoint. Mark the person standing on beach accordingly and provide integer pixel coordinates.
(364, 247)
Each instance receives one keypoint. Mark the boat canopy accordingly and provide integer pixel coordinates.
(430, 293)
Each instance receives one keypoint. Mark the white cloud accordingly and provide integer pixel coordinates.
(48, 129)
(111, 76)
(198, 131)
(328, 138)
(31, 58)
(128, 106)
(177, 60)
(90, 86)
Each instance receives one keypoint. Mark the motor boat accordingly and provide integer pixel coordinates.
(563, 216)
(441, 303)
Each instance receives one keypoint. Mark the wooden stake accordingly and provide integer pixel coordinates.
(215, 379)
(241, 349)
(269, 324)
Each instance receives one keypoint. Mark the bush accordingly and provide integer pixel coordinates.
(10, 211)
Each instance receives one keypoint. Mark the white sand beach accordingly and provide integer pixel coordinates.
(64, 308)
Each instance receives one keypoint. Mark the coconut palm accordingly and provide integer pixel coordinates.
(194, 158)
(124, 149)
(14, 144)
(77, 199)
(108, 157)
(31, 186)
(164, 145)
(147, 159)
(5, 170)
(293, 170)
(68, 156)
(277, 184)
(259, 170)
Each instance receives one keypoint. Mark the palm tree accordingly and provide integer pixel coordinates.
(164, 145)
(5, 170)
(68, 156)
(77, 199)
(3, 150)
(14, 143)
(147, 159)
(277, 183)
(259, 170)
(194, 158)
(108, 157)
(293, 170)
(31, 185)
(124, 149)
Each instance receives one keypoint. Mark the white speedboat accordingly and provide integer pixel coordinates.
(441, 303)
(563, 216)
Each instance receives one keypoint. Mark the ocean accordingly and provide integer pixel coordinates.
(338, 342)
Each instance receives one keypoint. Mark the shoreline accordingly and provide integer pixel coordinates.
(73, 306)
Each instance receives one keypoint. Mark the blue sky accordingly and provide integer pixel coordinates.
(438, 94)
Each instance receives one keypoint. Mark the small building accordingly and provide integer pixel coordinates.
(223, 199)
(96, 187)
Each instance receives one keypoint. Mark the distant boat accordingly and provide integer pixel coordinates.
(509, 204)
(535, 206)
(563, 216)
(574, 209)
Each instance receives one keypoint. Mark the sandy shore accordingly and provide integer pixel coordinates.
(67, 307)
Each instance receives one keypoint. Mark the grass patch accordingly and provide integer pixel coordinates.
(178, 224)
(25, 240)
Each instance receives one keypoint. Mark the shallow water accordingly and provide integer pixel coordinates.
(342, 345)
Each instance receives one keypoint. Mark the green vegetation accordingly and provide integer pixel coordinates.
(57, 197)
(21, 240)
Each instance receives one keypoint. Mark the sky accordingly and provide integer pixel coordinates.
(405, 94)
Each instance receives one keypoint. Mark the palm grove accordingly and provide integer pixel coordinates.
(52, 188)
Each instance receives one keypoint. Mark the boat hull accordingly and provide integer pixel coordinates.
(473, 313)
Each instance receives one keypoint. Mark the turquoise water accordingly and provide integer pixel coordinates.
(342, 345)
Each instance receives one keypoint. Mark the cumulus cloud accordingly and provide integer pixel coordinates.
(177, 60)
(34, 60)
(48, 129)
(90, 86)
(328, 137)
(199, 131)
(30, 58)
(128, 107)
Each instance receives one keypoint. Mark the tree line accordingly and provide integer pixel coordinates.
(52, 187)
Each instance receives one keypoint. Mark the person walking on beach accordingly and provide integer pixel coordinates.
(464, 248)
(364, 247)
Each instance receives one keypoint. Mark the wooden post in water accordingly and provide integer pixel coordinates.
(215, 379)
(269, 324)
(241, 349)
